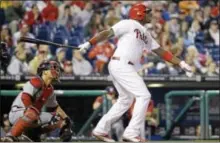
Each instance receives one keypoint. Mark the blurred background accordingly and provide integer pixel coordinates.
(189, 29)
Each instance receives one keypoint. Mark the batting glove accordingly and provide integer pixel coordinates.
(84, 47)
(186, 68)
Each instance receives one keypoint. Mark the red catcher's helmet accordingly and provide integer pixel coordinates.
(138, 11)
(52, 65)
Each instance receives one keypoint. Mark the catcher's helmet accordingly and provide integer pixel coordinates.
(52, 65)
(138, 12)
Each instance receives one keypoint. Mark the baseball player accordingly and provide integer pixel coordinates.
(133, 38)
(26, 116)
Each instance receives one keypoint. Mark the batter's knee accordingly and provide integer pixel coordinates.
(126, 101)
(144, 97)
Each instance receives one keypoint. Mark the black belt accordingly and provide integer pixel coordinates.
(118, 58)
(17, 106)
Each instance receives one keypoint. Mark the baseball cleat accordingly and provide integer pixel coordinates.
(103, 137)
(136, 139)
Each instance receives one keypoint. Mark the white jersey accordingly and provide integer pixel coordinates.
(133, 39)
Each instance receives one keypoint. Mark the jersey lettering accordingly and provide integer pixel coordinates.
(141, 36)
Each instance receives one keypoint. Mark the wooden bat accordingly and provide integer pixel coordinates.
(39, 41)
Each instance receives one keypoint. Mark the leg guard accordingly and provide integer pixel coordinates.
(27, 121)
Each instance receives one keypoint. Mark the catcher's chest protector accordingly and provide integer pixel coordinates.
(42, 96)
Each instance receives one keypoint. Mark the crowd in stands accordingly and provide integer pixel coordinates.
(189, 29)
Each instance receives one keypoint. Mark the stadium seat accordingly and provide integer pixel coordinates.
(42, 32)
(200, 47)
(2, 15)
(73, 41)
(215, 53)
(57, 38)
(62, 29)
(78, 29)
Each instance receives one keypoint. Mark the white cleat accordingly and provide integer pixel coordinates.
(136, 139)
(103, 137)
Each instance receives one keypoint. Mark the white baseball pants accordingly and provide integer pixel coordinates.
(129, 86)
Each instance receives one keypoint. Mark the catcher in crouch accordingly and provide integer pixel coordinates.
(26, 116)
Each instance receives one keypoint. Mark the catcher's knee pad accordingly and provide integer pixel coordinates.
(29, 120)
(31, 115)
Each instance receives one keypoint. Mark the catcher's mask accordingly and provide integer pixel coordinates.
(53, 66)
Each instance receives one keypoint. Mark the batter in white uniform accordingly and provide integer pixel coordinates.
(133, 39)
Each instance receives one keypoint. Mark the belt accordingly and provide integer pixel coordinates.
(18, 108)
(118, 59)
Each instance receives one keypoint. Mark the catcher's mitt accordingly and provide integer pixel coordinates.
(66, 131)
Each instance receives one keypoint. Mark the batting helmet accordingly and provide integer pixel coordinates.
(138, 12)
(52, 65)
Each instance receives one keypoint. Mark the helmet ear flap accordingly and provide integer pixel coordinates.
(137, 12)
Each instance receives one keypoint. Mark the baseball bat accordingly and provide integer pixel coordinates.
(39, 41)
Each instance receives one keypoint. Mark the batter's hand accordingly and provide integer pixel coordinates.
(185, 66)
(84, 47)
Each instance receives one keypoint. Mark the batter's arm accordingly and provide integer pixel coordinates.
(168, 56)
(104, 35)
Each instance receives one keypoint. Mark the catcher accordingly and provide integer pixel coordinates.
(26, 117)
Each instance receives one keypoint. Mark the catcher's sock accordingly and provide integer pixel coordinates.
(19, 127)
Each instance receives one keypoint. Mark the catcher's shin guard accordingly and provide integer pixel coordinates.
(25, 122)
(66, 131)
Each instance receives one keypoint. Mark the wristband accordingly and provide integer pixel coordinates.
(168, 56)
(93, 41)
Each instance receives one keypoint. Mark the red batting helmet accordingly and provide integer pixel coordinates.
(138, 11)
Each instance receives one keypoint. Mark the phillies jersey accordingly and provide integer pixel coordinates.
(133, 39)
(40, 94)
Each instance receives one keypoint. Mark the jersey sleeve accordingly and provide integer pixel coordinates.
(30, 89)
(121, 27)
(52, 101)
(154, 44)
